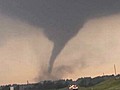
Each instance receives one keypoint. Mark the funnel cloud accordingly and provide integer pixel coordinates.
(61, 19)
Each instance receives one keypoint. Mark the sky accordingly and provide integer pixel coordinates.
(82, 41)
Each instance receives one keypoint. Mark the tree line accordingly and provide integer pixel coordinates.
(62, 83)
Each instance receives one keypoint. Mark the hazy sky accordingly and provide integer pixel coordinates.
(26, 45)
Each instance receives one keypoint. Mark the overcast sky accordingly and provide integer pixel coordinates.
(86, 34)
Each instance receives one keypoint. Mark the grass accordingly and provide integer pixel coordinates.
(111, 84)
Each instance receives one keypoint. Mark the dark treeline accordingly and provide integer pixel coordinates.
(45, 85)
(52, 84)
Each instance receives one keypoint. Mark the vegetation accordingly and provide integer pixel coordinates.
(109, 82)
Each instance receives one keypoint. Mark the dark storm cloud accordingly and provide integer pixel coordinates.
(61, 19)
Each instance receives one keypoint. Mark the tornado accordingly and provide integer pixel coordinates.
(55, 52)
(58, 46)
(60, 37)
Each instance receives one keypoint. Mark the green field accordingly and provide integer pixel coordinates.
(111, 84)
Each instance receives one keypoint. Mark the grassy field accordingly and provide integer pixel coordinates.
(111, 84)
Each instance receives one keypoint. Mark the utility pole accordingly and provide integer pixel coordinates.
(27, 82)
(115, 69)
(103, 74)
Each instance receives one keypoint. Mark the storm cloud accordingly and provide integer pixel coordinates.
(61, 19)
